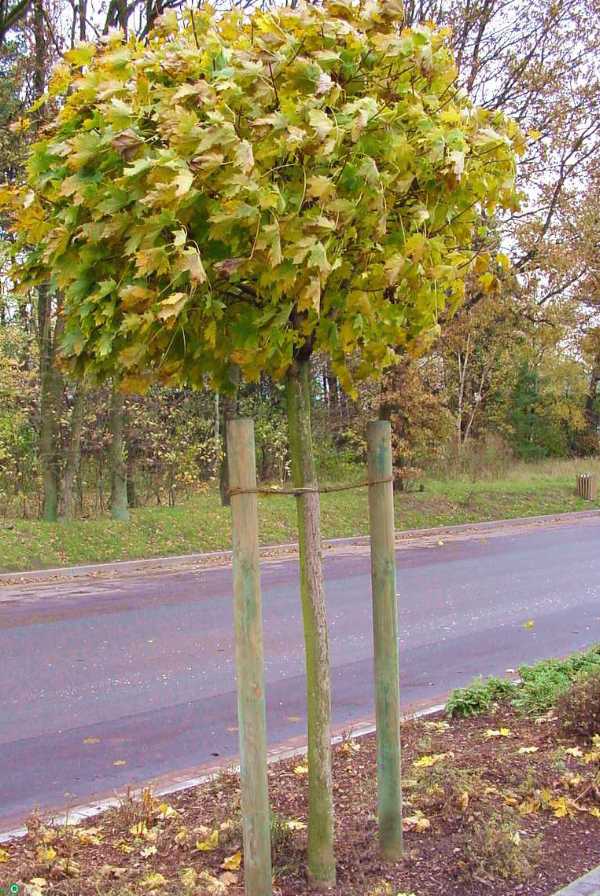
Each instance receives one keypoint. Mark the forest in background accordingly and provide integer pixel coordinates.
(515, 374)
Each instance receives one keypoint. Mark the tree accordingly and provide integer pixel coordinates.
(243, 191)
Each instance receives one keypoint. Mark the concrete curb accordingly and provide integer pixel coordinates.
(80, 813)
(588, 885)
(129, 567)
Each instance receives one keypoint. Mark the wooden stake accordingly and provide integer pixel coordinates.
(249, 661)
(385, 634)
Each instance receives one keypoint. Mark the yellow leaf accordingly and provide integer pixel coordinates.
(417, 822)
(595, 811)
(211, 842)
(310, 296)
(120, 762)
(188, 877)
(561, 808)
(574, 751)
(88, 836)
(437, 726)
(529, 624)
(45, 854)
(153, 881)
(91, 740)
(166, 811)
(172, 305)
(350, 746)
(498, 732)
(293, 825)
(524, 750)
(529, 806)
(4, 856)
(503, 261)
(212, 884)
(233, 862)
(301, 770)
(428, 761)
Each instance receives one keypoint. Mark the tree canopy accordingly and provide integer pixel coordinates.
(240, 190)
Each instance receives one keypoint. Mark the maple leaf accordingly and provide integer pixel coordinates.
(498, 732)
(209, 843)
(429, 760)
(232, 862)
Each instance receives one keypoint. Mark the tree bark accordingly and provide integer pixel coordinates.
(73, 458)
(118, 466)
(321, 859)
(50, 401)
(229, 406)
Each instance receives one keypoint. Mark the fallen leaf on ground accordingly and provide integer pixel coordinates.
(112, 871)
(166, 811)
(524, 750)
(417, 822)
(576, 752)
(45, 854)
(4, 856)
(562, 808)
(188, 877)
(529, 624)
(91, 740)
(210, 843)
(293, 825)
(153, 881)
(232, 863)
(437, 726)
(428, 761)
(301, 770)
(498, 732)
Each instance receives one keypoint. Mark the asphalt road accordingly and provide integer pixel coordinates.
(111, 681)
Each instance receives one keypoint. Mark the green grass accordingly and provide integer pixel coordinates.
(201, 524)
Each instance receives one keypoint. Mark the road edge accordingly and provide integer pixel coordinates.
(176, 561)
(72, 816)
(587, 885)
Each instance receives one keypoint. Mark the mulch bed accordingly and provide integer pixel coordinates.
(498, 805)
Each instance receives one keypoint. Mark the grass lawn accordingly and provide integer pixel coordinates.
(201, 524)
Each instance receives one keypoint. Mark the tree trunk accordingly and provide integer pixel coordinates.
(321, 860)
(229, 406)
(73, 458)
(118, 467)
(50, 400)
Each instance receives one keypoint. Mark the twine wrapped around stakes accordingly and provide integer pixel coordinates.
(323, 490)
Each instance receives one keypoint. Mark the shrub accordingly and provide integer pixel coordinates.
(540, 687)
(578, 708)
(478, 697)
(543, 683)
(495, 848)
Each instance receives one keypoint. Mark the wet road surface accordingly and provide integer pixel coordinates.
(112, 681)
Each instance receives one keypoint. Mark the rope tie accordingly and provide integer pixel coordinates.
(324, 490)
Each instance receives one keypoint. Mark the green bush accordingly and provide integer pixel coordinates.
(544, 682)
(578, 708)
(540, 687)
(478, 697)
